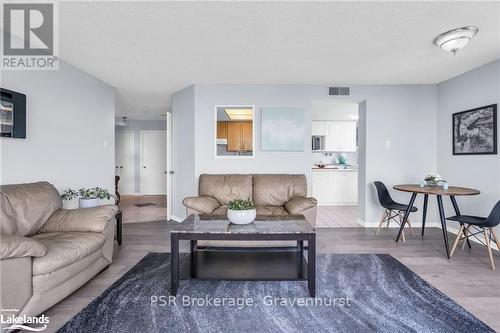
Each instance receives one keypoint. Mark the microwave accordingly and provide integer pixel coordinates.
(317, 142)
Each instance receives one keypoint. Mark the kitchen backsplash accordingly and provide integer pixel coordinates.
(330, 158)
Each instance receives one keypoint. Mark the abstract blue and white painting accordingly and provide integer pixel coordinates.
(282, 129)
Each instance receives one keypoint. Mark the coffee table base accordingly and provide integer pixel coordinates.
(242, 265)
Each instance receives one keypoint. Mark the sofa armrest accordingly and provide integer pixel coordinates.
(92, 219)
(299, 204)
(19, 247)
(203, 204)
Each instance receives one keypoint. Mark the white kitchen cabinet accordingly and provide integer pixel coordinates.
(348, 136)
(350, 190)
(319, 127)
(335, 187)
(340, 135)
(333, 136)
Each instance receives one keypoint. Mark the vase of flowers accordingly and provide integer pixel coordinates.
(87, 197)
(241, 211)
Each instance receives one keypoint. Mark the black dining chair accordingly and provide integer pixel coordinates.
(480, 225)
(393, 210)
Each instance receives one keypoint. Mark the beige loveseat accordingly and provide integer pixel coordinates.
(47, 252)
(274, 194)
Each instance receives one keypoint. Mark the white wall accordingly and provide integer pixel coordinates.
(184, 181)
(404, 115)
(473, 89)
(138, 125)
(69, 130)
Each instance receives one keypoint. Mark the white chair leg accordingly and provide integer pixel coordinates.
(409, 226)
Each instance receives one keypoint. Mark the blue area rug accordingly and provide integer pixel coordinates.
(355, 293)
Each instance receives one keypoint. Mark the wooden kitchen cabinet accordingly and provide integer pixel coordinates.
(247, 135)
(239, 136)
(222, 130)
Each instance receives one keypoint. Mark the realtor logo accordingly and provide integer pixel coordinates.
(29, 38)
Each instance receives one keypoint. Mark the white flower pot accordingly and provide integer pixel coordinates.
(86, 202)
(241, 216)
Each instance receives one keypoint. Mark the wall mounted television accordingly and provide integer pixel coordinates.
(12, 114)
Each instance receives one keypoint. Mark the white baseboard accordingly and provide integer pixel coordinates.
(176, 218)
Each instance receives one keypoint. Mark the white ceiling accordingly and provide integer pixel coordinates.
(149, 50)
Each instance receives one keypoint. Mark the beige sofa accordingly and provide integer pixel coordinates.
(274, 194)
(47, 252)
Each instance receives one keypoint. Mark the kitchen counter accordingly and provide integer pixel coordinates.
(334, 168)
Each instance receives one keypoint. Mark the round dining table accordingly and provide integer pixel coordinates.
(439, 192)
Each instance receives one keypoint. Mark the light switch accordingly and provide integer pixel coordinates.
(388, 145)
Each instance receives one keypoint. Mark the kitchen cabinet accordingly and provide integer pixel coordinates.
(318, 127)
(335, 187)
(222, 130)
(239, 135)
(339, 135)
(333, 136)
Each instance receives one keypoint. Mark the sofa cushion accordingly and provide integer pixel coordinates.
(26, 207)
(203, 204)
(65, 248)
(92, 219)
(225, 188)
(19, 246)
(277, 190)
(271, 211)
(299, 204)
(222, 210)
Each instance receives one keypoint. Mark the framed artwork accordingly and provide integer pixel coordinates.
(475, 131)
(282, 129)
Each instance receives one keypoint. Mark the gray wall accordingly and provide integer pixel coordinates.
(400, 114)
(183, 149)
(69, 130)
(137, 126)
(476, 88)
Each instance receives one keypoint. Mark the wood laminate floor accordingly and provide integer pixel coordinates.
(337, 217)
(132, 213)
(466, 278)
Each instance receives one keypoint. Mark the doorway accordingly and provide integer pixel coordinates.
(335, 147)
(141, 164)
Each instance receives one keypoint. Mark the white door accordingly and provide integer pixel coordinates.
(124, 161)
(153, 162)
(333, 136)
(348, 136)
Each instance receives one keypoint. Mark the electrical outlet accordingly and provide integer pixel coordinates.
(388, 145)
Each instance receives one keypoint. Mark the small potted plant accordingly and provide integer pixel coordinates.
(241, 211)
(88, 197)
(69, 196)
(433, 180)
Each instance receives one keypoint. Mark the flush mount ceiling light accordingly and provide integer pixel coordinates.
(455, 39)
(239, 114)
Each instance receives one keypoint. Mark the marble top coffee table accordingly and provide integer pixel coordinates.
(264, 264)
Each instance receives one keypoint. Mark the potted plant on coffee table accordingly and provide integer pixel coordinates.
(241, 211)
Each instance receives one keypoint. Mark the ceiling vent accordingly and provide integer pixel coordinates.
(339, 91)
